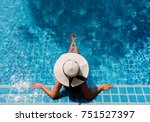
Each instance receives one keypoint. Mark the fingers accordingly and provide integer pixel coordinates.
(107, 86)
(110, 85)
(33, 84)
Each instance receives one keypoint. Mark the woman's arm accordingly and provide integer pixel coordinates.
(52, 93)
(91, 94)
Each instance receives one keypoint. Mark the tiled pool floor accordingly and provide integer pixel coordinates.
(119, 94)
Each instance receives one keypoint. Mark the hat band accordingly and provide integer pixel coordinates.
(79, 77)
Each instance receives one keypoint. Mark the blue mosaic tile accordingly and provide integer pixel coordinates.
(146, 90)
(38, 98)
(17, 99)
(114, 90)
(30, 98)
(22, 91)
(11, 99)
(140, 98)
(122, 90)
(46, 99)
(147, 98)
(56, 101)
(106, 98)
(123, 98)
(130, 90)
(105, 92)
(33, 91)
(20, 99)
(115, 98)
(30, 91)
(4, 90)
(132, 98)
(98, 98)
(64, 99)
(3, 99)
(138, 90)
(14, 91)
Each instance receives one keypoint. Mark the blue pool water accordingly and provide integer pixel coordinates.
(114, 37)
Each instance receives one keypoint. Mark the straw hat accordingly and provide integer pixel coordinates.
(71, 69)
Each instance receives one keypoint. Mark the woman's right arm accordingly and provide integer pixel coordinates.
(52, 93)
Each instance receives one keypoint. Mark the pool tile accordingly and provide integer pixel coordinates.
(34, 91)
(130, 90)
(55, 101)
(123, 98)
(30, 98)
(4, 90)
(98, 98)
(122, 90)
(21, 99)
(147, 98)
(30, 91)
(140, 98)
(38, 98)
(115, 98)
(138, 90)
(35, 96)
(114, 90)
(14, 91)
(146, 90)
(64, 99)
(22, 91)
(106, 98)
(3, 99)
(132, 98)
(46, 98)
(16, 99)
(11, 99)
(105, 92)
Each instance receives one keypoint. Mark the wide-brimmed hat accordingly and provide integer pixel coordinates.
(71, 69)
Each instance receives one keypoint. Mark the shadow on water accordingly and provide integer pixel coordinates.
(26, 34)
(112, 24)
(75, 96)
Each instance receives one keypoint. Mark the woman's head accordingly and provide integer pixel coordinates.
(71, 65)
(71, 68)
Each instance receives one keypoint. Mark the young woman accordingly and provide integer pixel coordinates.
(71, 70)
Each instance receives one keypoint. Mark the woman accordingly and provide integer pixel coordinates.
(71, 70)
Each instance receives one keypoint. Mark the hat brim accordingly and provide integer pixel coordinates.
(58, 71)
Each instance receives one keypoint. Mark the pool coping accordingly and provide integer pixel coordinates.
(59, 102)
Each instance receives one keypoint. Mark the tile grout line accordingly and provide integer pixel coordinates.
(110, 97)
(144, 95)
(135, 95)
(119, 95)
(9, 94)
(127, 95)
(42, 98)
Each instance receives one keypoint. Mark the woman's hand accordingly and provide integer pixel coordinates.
(37, 85)
(105, 87)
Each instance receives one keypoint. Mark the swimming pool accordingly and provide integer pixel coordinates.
(114, 37)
